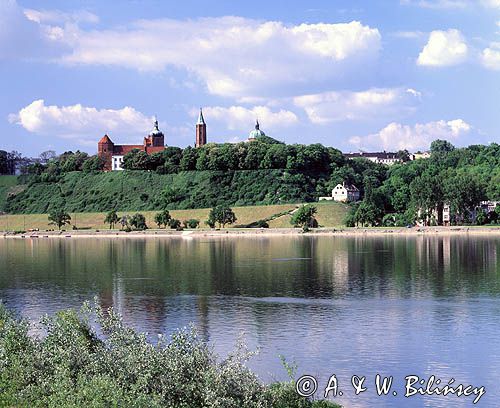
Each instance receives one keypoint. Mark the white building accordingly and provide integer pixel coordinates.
(116, 162)
(343, 192)
(386, 158)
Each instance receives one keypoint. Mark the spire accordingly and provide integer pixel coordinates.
(155, 124)
(256, 124)
(201, 121)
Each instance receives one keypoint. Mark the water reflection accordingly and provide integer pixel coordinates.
(349, 305)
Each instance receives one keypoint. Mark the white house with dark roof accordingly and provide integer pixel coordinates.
(343, 192)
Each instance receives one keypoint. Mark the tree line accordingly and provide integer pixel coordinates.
(418, 190)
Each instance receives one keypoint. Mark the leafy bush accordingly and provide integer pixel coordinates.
(73, 365)
(138, 221)
(222, 215)
(304, 217)
(191, 223)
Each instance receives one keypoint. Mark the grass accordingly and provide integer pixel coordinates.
(329, 215)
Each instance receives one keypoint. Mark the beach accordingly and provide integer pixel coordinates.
(253, 232)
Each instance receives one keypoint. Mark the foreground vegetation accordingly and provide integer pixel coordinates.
(91, 358)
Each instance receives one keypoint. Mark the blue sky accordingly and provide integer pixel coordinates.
(349, 74)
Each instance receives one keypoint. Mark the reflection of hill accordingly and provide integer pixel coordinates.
(138, 276)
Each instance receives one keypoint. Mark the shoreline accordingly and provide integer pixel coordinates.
(258, 232)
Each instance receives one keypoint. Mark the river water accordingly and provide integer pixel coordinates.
(388, 305)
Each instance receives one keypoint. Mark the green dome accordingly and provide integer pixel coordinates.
(256, 133)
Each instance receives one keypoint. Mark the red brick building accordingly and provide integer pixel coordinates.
(113, 154)
(201, 131)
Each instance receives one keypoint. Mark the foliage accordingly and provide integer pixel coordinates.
(222, 215)
(91, 358)
(191, 223)
(111, 219)
(175, 224)
(304, 217)
(138, 221)
(162, 218)
(59, 217)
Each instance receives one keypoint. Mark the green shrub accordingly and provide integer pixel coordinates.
(74, 366)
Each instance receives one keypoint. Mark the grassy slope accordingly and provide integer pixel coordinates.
(6, 184)
(329, 215)
(141, 190)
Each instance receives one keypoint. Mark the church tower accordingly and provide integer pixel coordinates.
(201, 131)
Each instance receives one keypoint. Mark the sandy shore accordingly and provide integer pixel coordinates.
(253, 232)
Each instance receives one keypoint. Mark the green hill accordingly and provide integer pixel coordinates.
(146, 190)
(8, 184)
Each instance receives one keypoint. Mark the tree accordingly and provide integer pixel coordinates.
(111, 219)
(481, 217)
(138, 221)
(191, 223)
(93, 164)
(304, 217)
(47, 156)
(175, 224)
(222, 215)
(59, 217)
(136, 160)
(124, 221)
(162, 218)
(403, 155)
(463, 192)
(441, 147)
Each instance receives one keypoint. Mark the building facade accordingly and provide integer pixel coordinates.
(386, 158)
(112, 154)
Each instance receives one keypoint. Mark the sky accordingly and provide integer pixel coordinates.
(355, 75)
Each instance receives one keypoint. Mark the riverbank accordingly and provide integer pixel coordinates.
(253, 232)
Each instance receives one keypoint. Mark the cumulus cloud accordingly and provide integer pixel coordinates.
(233, 56)
(81, 122)
(330, 107)
(491, 57)
(243, 119)
(444, 48)
(396, 136)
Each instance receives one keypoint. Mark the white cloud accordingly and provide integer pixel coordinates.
(396, 136)
(451, 4)
(82, 123)
(408, 34)
(233, 56)
(491, 57)
(19, 37)
(329, 107)
(56, 16)
(243, 119)
(491, 3)
(444, 48)
(438, 4)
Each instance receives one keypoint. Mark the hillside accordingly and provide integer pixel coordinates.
(7, 185)
(146, 190)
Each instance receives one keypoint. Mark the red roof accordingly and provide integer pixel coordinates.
(124, 149)
(105, 140)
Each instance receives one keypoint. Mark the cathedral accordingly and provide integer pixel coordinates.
(113, 154)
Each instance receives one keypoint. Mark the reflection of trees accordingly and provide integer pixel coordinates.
(121, 270)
